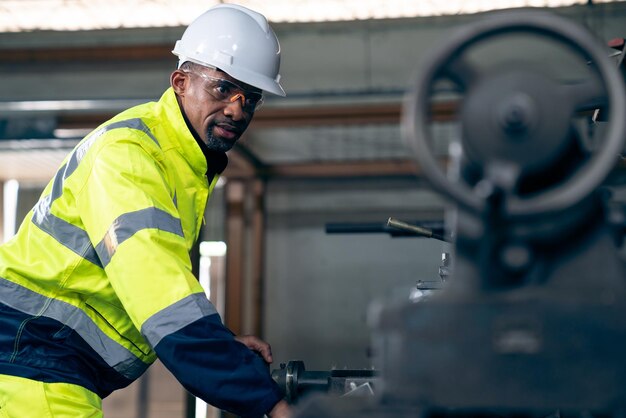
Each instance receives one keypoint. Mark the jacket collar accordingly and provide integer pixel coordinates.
(203, 160)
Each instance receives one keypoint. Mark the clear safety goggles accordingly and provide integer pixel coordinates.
(228, 92)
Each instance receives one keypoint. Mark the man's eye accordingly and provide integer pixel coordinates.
(223, 88)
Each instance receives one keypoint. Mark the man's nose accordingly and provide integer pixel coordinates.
(234, 108)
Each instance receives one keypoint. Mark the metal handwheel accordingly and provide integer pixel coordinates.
(520, 118)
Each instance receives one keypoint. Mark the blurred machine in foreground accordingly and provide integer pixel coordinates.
(532, 319)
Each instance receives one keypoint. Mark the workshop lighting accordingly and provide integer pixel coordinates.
(209, 249)
(10, 192)
(26, 15)
(212, 248)
(201, 408)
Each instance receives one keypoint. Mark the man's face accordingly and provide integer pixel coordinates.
(218, 107)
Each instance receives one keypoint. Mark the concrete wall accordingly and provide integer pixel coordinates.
(319, 286)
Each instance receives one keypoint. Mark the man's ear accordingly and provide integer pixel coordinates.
(179, 80)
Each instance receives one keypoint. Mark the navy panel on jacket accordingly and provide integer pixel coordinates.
(48, 351)
(213, 366)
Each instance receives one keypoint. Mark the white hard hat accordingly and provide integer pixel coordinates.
(238, 41)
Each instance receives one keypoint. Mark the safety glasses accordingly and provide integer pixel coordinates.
(228, 92)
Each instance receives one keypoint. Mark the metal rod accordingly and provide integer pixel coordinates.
(395, 223)
(418, 230)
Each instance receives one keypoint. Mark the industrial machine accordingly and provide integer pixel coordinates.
(531, 321)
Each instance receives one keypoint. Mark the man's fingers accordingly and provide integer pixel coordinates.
(257, 345)
(265, 350)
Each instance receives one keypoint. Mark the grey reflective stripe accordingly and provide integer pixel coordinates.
(67, 234)
(130, 223)
(176, 317)
(32, 303)
(71, 236)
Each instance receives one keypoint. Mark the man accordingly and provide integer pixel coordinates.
(97, 282)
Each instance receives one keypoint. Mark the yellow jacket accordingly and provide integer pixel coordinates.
(97, 282)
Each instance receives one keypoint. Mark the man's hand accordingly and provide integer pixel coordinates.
(257, 345)
(280, 410)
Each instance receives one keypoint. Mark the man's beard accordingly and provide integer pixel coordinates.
(215, 143)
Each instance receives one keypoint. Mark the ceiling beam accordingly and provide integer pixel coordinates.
(125, 53)
(352, 114)
(277, 117)
(389, 168)
(329, 170)
(355, 169)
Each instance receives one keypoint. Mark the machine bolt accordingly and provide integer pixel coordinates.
(516, 257)
(516, 114)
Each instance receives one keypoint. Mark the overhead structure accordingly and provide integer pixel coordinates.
(28, 15)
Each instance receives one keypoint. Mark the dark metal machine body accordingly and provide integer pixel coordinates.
(532, 320)
(296, 381)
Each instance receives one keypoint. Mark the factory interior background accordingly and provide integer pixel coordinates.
(331, 152)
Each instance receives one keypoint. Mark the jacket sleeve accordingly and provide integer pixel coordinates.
(236, 373)
(128, 208)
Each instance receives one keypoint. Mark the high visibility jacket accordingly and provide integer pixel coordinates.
(97, 281)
